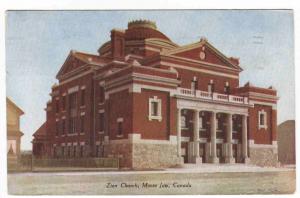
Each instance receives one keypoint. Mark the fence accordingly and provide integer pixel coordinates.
(29, 163)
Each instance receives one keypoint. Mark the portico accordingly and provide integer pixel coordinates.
(212, 132)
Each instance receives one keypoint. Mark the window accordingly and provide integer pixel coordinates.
(101, 94)
(63, 126)
(72, 102)
(120, 128)
(211, 86)
(54, 152)
(97, 150)
(262, 119)
(57, 128)
(81, 150)
(82, 97)
(200, 122)
(72, 123)
(101, 122)
(64, 103)
(183, 122)
(155, 109)
(227, 88)
(69, 151)
(74, 151)
(57, 106)
(63, 151)
(82, 123)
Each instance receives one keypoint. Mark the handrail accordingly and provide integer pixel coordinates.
(212, 96)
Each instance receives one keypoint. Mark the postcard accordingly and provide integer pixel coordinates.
(127, 102)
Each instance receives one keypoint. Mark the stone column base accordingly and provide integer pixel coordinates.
(247, 160)
(229, 160)
(198, 160)
(214, 160)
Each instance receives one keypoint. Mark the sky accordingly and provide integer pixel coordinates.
(38, 42)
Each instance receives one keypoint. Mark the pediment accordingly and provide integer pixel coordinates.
(203, 52)
(71, 64)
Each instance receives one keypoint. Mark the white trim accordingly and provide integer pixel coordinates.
(69, 144)
(120, 120)
(159, 114)
(64, 94)
(73, 89)
(63, 144)
(253, 102)
(271, 146)
(265, 96)
(82, 143)
(265, 125)
(98, 143)
(82, 113)
(198, 70)
(82, 87)
(101, 111)
(185, 139)
(75, 143)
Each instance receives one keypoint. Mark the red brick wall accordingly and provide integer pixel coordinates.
(119, 105)
(260, 136)
(153, 129)
(203, 80)
(88, 109)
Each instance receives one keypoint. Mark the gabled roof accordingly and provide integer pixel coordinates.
(41, 131)
(201, 43)
(19, 110)
(88, 59)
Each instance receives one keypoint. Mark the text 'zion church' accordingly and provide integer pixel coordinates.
(153, 104)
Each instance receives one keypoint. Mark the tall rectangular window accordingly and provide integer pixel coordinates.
(154, 108)
(72, 125)
(69, 151)
(63, 126)
(82, 97)
(64, 103)
(101, 122)
(56, 106)
(57, 128)
(72, 101)
(82, 118)
(101, 94)
(74, 151)
(120, 128)
(81, 150)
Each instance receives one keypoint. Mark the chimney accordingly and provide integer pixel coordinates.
(117, 43)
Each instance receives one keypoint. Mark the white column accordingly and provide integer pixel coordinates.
(244, 139)
(213, 137)
(196, 137)
(229, 158)
(179, 132)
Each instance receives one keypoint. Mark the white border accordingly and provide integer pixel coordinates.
(133, 4)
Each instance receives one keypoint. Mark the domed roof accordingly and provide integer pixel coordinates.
(143, 29)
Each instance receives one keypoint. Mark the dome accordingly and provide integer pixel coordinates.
(143, 29)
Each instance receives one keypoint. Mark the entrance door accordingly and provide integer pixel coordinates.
(184, 152)
(234, 152)
(219, 153)
(202, 152)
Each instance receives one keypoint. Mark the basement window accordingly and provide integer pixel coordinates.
(155, 109)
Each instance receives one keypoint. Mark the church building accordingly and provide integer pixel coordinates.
(154, 104)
